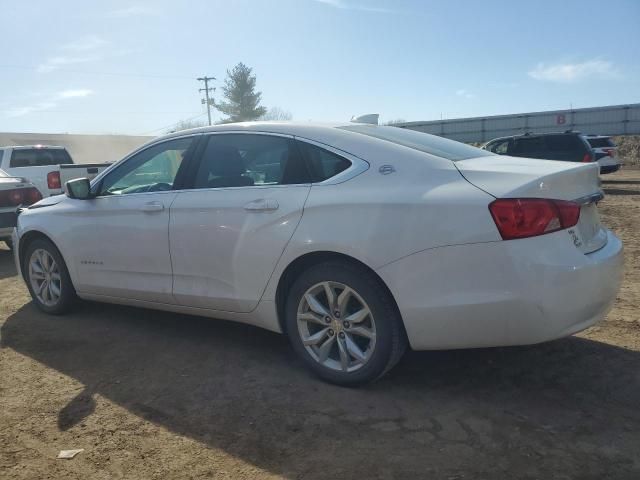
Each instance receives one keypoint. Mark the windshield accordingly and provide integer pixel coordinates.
(424, 142)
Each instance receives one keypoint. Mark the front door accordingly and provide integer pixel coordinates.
(228, 232)
(121, 237)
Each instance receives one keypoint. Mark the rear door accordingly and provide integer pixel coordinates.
(230, 226)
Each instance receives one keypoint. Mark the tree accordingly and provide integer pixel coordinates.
(186, 125)
(242, 101)
(394, 121)
(276, 113)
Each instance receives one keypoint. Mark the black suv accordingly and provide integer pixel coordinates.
(568, 146)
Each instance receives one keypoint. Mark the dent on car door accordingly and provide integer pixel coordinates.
(228, 231)
(123, 247)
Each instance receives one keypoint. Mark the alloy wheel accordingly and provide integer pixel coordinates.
(45, 278)
(336, 326)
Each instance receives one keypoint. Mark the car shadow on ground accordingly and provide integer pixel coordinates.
(569, 406)
(7, 266)
(622, 182)
(620, 191)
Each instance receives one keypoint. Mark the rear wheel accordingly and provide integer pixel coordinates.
(48, 278)
(344, 324)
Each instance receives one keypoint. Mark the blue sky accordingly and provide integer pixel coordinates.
(130, 67)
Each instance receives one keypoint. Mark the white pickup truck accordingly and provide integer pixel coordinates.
(47, 167)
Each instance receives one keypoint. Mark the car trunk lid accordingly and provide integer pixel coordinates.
(511, 177)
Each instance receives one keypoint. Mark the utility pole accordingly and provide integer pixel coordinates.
(206, 91)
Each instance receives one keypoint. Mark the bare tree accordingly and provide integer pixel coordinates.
(186, 125)
(394, 121)
(276, 113)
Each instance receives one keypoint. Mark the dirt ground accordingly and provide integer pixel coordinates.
(158, 395)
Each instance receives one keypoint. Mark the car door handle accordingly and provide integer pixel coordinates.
(151, 207)
(262, 205)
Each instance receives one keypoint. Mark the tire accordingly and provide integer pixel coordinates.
(58, 276)
(9, 244)
(373, 355)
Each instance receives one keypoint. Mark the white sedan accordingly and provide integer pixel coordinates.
(355, 240)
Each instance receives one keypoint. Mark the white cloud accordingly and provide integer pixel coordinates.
(38, 107)
(573, 72)
(86, 44)
(83, 50)
(344, 5)
(132, 11)
(84, 92)
(52, 102)
(53, 63)
(464, 93)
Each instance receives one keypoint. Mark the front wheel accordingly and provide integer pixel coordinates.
(344, 324)
(47, 278)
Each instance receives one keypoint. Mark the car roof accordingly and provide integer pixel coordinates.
(37, 147)
(534, 135)
(284, 128)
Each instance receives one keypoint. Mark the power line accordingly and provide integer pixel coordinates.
(113, 74)
(206, 91)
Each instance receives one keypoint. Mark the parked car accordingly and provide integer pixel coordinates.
(14, 193)
(353, 239)
(568, 146)
(47, 167)
(606, 153)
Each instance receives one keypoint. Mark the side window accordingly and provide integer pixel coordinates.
(529, 147)
(322, 163)
(151, 170)
(500, 147)
(244, 160)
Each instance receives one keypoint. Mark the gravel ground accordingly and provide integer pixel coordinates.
(156, 395)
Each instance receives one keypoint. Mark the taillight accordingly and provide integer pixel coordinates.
(32, 195)
(587, 158)
(15, 197)
(53, 180)
(609, 151)
(19, 196)
(529, 217)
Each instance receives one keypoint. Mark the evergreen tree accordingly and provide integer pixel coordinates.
(242, 101)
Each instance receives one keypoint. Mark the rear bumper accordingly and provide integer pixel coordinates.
(504, 293)
(8, 220)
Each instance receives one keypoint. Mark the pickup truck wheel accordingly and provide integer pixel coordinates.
(47, 278)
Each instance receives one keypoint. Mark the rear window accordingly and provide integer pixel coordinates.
(601, 142)
(38, 157)
(424, 142)
(564, 143)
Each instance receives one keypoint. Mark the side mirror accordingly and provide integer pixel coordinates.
(78, 188)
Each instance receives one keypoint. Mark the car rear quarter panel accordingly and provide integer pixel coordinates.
(378, 218)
